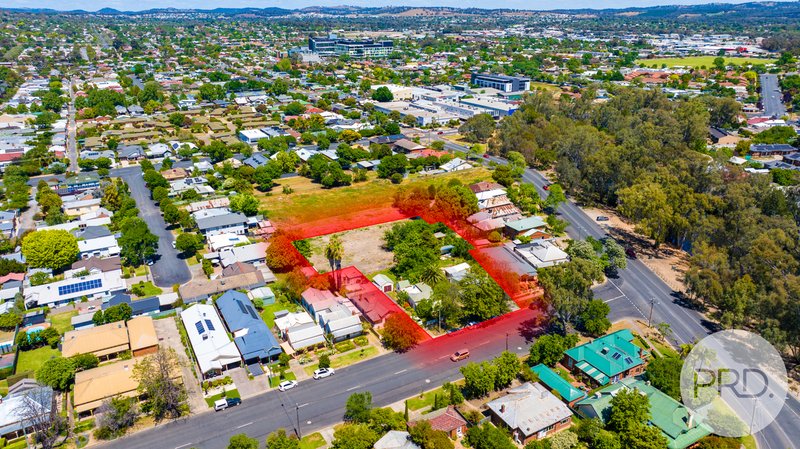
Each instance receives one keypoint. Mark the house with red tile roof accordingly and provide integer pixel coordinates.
(448, 420)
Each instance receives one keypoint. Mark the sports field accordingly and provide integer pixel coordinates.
(699, 61)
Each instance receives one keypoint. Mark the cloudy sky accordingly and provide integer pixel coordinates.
(93, 5)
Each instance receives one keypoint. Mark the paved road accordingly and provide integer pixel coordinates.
(637, 289)
(390, 378)
(72, 144)
(771, 96)
(393, 377)
(168, 268)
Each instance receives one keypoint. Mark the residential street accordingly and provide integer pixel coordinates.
(771, 96)
(390, 378)
(72, 144)
(168, 268)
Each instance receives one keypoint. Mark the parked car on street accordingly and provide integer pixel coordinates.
(459, 355)
(287, 385)
(602, 218)
(323, 373)
(630, 252)
(222, 404)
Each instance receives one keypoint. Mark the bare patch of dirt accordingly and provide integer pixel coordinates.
(667, 262)
(363, 248)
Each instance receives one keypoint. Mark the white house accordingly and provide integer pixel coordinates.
(305, 335)
(213, 348)
(105, 246)
(62, 292)
(457, 272)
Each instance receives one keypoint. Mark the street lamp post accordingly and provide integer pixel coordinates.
(650, 316)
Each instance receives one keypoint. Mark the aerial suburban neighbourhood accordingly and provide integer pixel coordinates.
(396, 227)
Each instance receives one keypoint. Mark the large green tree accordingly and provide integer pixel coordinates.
(137, 243)
(54, 249)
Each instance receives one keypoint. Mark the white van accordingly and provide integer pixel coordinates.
(220, 404)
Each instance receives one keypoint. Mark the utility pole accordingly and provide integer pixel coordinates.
(650, 316)
(506, 341)
(297, 410)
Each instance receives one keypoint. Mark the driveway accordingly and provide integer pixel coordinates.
(168, 269)
(169, 337)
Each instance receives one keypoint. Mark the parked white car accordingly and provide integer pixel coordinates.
(287, 385)
(323, 373)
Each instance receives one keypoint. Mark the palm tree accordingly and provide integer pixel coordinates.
(334, 252)
(431, 274)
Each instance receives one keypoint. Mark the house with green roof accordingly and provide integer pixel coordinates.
(607, 359)
(554, 382)
(678, 424)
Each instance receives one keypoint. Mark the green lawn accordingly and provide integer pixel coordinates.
(268, 314)
(276, 380)
(228, 394)
(62, 321)
(312, 441)
(698, 61)
(347, 359)
(147, 289)
(426, 400)
(3, 387)
(33, 360)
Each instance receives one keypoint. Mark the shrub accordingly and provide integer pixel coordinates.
(361, 341)
(324, 361)
(345, 346)
(495, 237)
(396, 178)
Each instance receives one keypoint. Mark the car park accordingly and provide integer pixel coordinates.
(287, 385)
(323, 373)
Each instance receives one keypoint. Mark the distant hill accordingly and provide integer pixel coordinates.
(713, 11)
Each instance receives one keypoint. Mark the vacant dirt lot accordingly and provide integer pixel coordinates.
(363, 248)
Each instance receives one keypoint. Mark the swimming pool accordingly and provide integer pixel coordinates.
(33, 329)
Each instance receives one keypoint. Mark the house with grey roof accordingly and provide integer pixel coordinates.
(131, 152)
(230, 222)
(531, 412)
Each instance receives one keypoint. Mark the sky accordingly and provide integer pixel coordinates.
(126, 5)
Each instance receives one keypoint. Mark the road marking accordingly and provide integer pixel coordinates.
(401, 371)
(183, 445)
(612, 299)
(302, 405)
(239, 427)
(353, 388)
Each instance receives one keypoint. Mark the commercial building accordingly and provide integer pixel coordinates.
(212, 347)
(333, 46)
(502, 83)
